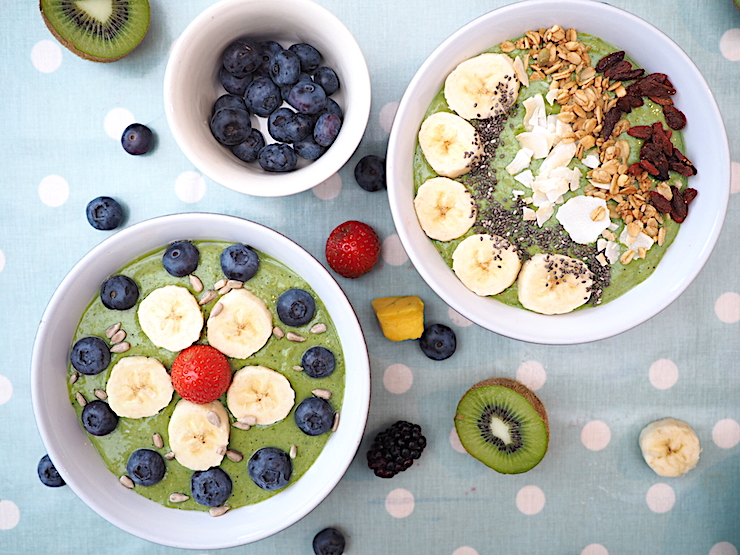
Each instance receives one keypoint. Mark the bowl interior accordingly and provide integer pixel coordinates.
(707, 147)
(191, 86)
(79, 463)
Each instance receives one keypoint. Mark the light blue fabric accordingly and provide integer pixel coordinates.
(595, 501)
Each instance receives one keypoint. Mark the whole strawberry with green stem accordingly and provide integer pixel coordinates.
(352, 249)
(201, 374)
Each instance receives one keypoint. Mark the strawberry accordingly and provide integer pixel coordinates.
(201, 374)
(352, 249)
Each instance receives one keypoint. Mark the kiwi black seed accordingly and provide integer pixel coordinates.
(101, 31)
(503, 424)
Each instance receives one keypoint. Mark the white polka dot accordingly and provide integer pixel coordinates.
(458, 319)
(465, 550)
(663, 373)
(400, 503)
(6, 390)
(532, 374)
(398, 378)
(735, 179)
(10, 515)
(723, 548)
(393, 252)
(660, 498)
(53, 190)
(116, 121)
(190, 187)
(46, 56)
(595, 549)
(530, 500)
(727, 308)
(596, 435)
(729, 45)
(2, 261)
(329, 189)
(387, 115)
(726, 433)
(455, 441)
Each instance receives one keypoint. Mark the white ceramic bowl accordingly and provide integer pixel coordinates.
(79, 463)
(191, 85)
(707, 148)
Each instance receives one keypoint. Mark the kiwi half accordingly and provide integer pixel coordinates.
(503, 424)
(97, 30)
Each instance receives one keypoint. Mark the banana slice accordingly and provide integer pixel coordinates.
(171, 318)
(199, 434)
(554, 284)
(138, 386)
(670, 447)
(486, 264)
(445, 208)
(482, 87)
(260, 392)
(242, 326)
(450, 144)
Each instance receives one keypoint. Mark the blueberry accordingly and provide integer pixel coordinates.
(181, 258)
(98, 418)
(285, 66)
(333, 108)
(230, 126)
(314, 416)
(438, 342)
(119, 293)
(370, 173)
(308, 55)
(295, 307)
(48, 473)
(232, 84)
(90, 355)
(137, 139)
(242, 57)
(270, 468)
(318, 362)
(309, 149)
(307, 97)
(329, 541)
(248, 149)
(145, 467)
(210, 487)
(239, 262)
(269, 48)
(302, 78)
(287, 126)
(263, 96)
(104, 213)
(277, 158)
(229, 101)
(327, 78)
(326, 129)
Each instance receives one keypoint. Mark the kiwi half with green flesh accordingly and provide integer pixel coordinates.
(503, 424)
(97, 30)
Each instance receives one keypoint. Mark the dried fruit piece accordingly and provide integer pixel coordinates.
(609, 60)
(640, 131)
(689, 194)
(674, 117)
(679, 208)
(662, 204)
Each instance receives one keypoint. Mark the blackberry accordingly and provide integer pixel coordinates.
(395, 449)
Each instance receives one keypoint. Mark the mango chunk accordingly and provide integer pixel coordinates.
(400, 318)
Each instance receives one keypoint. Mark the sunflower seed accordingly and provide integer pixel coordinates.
(207, 297)
(235, 284)
(178, 497)
(323, 393)
(219, 284)
(221, 450)
(121, 347)
(249, 420)
(101, 394)
(126, 481)
(110, 332)
(80, 399)
(73, 378)
(278, 332)
(298, 368)
(218, 511)
(213, 418)
(318, 328)
(169, 456)
(157, 440)
(223, 290)
(117, 337)
(293, 451)
(234, 455)
(217, 310)
(196, 283)
(295, 337)
(240, 425)
(335, 425)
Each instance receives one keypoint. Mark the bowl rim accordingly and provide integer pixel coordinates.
(253, 181)
(575, 327)
(98, 488)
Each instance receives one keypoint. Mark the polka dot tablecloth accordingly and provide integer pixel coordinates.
(591, 495)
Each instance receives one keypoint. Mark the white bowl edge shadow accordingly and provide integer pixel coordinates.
(204, 152)
(82, 467)
(697, 235)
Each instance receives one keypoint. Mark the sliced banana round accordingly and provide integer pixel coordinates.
(445, 208)
(171, 317)
(554, 284)
(241, 326)
(450, 144)
(486, 264)
(482, 87)
(138, 386)
(261, 393)
(670, 447)
(199, 434)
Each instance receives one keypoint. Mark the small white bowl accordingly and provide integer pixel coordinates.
(707, 148)
(191, 85)
(80, 464)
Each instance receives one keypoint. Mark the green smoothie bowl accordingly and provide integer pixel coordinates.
(188, 383)
(558, 172)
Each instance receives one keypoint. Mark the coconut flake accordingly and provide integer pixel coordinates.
(526, 178)
(520, 162)
(635, 243)
(612, 251)
(591, 161)
(521, 73)
(528, 214)
(575, 217)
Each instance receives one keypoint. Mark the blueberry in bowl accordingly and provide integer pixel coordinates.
(318, 362)
(98, 418)
(314, 416)
(145, 467)
(295, 307)
(181, 258)
(211, 487)
(270, 468)
(240, 262)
